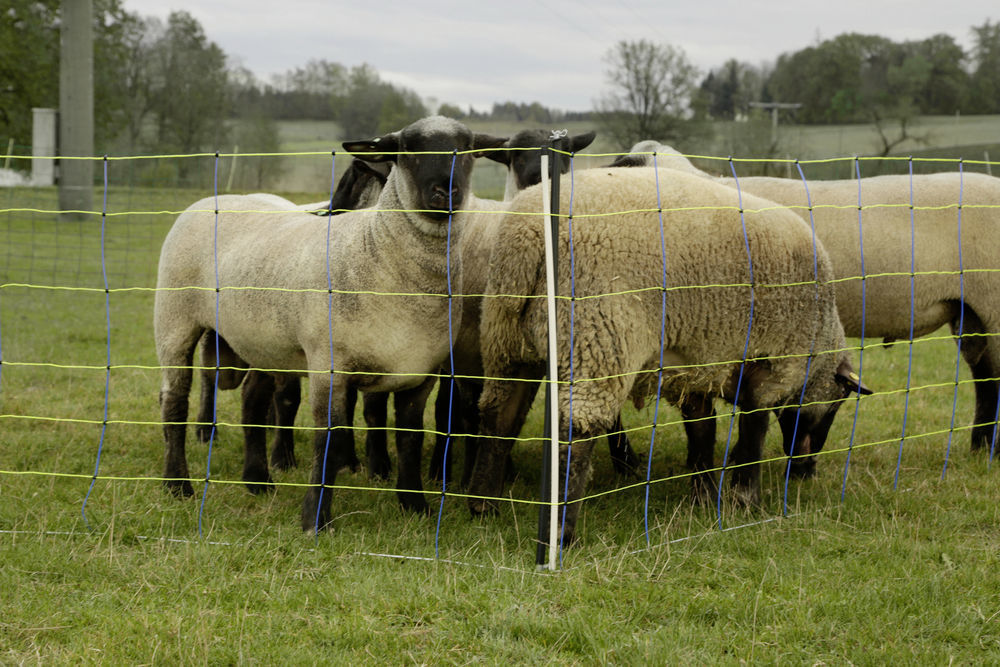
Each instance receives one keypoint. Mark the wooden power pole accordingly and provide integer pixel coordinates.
(76, 107)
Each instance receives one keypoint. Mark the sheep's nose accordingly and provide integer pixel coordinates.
(442, 191)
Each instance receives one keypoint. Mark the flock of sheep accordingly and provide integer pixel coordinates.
(684, 287)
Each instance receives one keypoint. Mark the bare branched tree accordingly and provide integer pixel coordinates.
(651, 89)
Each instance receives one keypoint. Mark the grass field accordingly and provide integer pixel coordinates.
(904, 568)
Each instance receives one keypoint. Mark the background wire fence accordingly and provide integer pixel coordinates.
(79, 381)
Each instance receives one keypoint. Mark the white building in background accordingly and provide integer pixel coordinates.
(43, 142)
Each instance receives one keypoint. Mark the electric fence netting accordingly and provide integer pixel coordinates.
(739, 340)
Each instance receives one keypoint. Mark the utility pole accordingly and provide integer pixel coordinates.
(775, 107)
(76, 107)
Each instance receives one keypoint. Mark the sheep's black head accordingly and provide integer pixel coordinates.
(525, 162)
(804, 430)
(359, 186)
(434, 157)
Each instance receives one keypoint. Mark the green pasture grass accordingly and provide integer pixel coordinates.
(902, 569)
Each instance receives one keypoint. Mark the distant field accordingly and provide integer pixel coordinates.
(965, 137)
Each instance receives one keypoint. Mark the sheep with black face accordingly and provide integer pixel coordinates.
(317, 299)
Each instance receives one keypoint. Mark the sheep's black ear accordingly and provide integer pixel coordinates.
(377, 170)
(379, 149)
(849, 380)
(502, 156)
(581, 141)
(482, 143)
(630, 160)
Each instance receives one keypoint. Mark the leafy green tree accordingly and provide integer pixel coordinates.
(372, 106)
(651, 89)
(984, 91)
(257, 133)
(29, 65)
(190, 96)
(451, 111)
(947, 82)
(831, 79)
(727, 91)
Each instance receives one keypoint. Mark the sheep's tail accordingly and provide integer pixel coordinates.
(516, 275)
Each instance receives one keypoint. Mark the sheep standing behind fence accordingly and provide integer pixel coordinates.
(678, 296)
(323, 307)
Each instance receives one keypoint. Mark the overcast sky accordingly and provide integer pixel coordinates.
(550, 51)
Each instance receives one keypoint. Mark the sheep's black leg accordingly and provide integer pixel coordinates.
(446, 404)
(225, 377)
(624, 459)
(174, 406)
(376, 411)
(206, 404)
(206, 407)
(286, 398)
(258, 391)
(746, 456)
(442, 407)
(333, 446)
(987, 393)
(579, 456)
(352, 403)
(976, 350)
(469, 396)
(504, 408)
(409, 405)
(698, 412)
(792, 431)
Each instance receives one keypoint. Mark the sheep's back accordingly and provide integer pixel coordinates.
(645, 244)
(886, 241)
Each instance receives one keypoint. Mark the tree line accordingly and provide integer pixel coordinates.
(165, 87)
(654, 90)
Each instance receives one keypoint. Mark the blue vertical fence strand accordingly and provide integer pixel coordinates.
(961, 320)
(746, 347)
(215, 389)
(812, 344)
(909, 363)
(572, 330)
(663, 334)
(107, 315)
(329, 394)
(861, 351)
(451, 364)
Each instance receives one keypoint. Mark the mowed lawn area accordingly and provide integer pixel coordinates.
(891, 554)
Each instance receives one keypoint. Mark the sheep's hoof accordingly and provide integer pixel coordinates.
(746, 496)
(283, 459)
(352, 464)
(627, 467)
(981, 439)
(179, 488)
(313, 520)
(569, 538)
(413, 502)
(480, 507)
(379, 469)
(257, 488)
(802, 468)
(704, 489)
